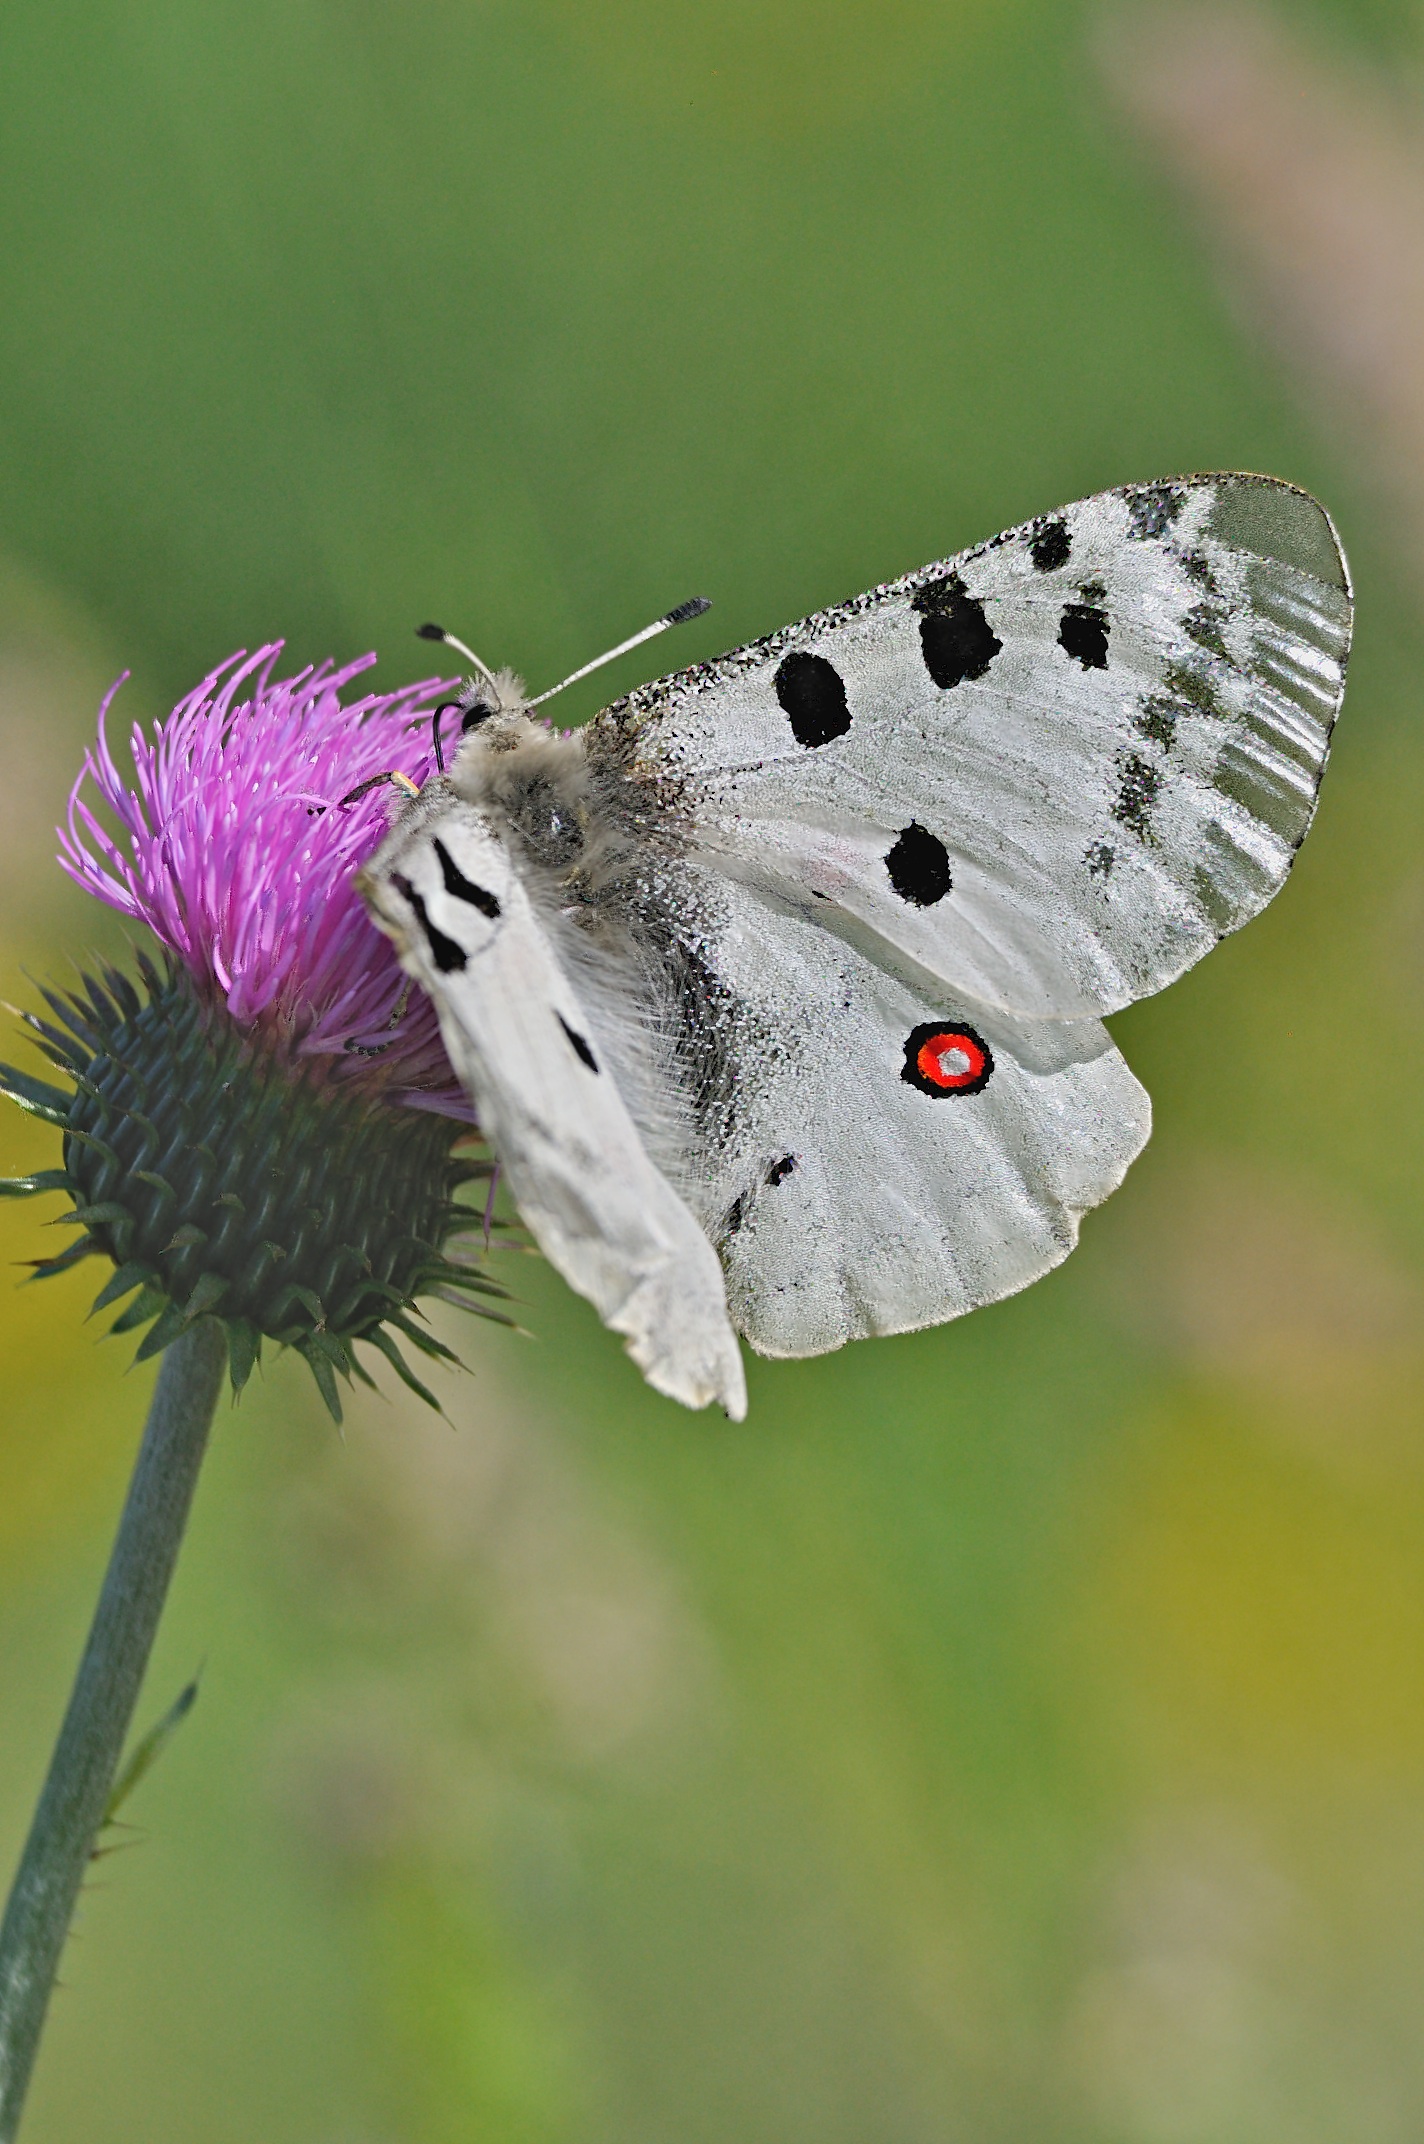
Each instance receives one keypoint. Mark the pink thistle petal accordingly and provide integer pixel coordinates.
(230, 846)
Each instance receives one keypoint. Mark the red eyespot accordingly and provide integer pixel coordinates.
(950, 1060)
(947, 1060)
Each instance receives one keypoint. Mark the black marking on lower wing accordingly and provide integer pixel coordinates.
(918, 865)
(465, 889)
(580, 1048)
(446, 954)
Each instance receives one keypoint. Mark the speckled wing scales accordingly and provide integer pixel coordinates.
(445, 888)
(1051, 772)
(875, 1158)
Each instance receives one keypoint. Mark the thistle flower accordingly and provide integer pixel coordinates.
(262, 1127)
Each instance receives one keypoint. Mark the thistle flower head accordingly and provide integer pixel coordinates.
(235, 851)
(262, 1128)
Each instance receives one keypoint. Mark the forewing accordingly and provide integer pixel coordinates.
(874, 1158)
(1052, 771)
(444, 886)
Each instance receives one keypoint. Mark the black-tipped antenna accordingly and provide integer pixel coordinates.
(438, 632)
(692, 608)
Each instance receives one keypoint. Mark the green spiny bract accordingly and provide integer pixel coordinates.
(226, 1182)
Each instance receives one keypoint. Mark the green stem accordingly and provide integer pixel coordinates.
(81, 1773)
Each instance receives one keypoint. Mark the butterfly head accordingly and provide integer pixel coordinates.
(493, 705)
(497, 698)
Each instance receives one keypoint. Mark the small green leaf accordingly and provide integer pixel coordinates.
(149, 1748)
(206, 1296)
(106, 1212)
(162, 1333)
(184, 1238)
(145, 1306)
(426, 1342)
(380, 1338)
(24, 1187)
(244, 1350)
(46, 1268)
(100, 1146)
(325, 1379)
(475, 1279)
(35, 1095)
(335, 1350)
(128, 1277)
(442, 1294)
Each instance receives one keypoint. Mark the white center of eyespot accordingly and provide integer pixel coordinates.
(954, 1063)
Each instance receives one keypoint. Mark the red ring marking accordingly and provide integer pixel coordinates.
(938, 1046)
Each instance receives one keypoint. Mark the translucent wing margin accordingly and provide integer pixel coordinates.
(1051, 772)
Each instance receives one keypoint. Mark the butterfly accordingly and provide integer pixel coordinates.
(778, 987)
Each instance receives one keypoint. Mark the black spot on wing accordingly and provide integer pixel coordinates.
(580, 1048)
(956, 639)
(813, 697)
(780, 1170)
(446, 954)
(1138, 791)
(1083, 634)
(918, 865)
(462, 888)
(1050, 545)
(1152, 509)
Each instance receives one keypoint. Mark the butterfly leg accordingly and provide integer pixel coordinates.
(378, 1049)
(394, 776)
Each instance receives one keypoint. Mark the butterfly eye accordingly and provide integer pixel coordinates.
(470, 718)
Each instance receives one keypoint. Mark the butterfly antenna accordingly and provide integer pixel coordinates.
(438, 632)
(692, 608)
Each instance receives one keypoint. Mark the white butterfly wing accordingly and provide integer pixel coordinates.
(873, 1157)
(1053, 771)
(444, 887)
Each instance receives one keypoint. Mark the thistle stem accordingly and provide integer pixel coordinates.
(81, 1773)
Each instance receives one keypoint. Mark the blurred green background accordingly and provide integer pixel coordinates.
(1011, 1734)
